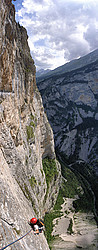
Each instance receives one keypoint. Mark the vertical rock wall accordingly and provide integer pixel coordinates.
(25, 137)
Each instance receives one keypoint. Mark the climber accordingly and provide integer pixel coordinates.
(37, 225)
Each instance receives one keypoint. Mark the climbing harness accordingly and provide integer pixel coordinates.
(16, 240)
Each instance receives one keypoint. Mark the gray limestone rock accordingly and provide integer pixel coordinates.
(26, 138)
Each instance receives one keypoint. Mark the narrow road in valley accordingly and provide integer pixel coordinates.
(84, 229)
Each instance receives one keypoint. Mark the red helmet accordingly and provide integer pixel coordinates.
(33, 220)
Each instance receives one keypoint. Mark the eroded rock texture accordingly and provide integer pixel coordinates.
(25, 138)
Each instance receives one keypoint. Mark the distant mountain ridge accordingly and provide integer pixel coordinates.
(72, 65)
(42, 72)
(70, 97)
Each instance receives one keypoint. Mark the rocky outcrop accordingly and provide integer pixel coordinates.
(25, 138)
(70, 96)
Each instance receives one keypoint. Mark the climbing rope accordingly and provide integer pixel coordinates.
(16, 240)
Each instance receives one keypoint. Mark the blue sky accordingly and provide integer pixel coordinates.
(58, 30)
(18, 4)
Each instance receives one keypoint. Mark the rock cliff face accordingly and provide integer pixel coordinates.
(70, 96)
(25, 138)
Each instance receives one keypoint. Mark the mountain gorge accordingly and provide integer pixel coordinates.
(35, 180)
(26, 139)
(70, 96)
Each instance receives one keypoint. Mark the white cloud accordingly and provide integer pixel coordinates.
(59, 30)
(91, 35)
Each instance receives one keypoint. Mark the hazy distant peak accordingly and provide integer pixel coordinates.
(40, 72)
(74, 64)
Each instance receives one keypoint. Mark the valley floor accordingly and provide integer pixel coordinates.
(83, 232)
